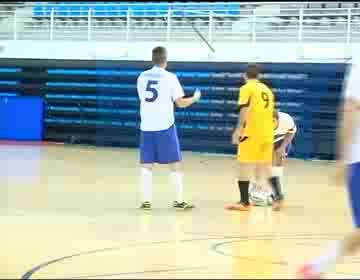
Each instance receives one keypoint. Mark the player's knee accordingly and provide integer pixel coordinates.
(352, 242)
(176, 166)
(243, 178)
(246, 172)
(356, 234)
(148, 167)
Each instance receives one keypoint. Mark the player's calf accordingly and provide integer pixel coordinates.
(146, 178)
(275, 183)
(244, 203)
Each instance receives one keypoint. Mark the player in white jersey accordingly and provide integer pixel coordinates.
(158, 90)
(285, 131)
(349, 168)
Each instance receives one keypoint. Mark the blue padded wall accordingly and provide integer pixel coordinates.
(21, 118)
(96, 102)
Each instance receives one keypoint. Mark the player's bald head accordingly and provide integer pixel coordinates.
(252, 71)
(159, 56)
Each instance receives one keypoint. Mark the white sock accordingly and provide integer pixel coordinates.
(329, 258)
(146, 184)
(277, 171)
(177, 180)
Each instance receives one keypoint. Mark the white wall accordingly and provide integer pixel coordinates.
(197, 51)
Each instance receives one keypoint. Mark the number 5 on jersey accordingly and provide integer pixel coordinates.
(151, 88)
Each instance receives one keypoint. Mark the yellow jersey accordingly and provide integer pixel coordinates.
(260, 101)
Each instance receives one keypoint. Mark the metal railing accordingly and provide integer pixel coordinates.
(273, 22)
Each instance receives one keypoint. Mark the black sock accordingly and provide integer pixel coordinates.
(276, 188)
(244, 191)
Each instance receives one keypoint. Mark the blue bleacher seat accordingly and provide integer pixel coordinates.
(123, 8)
(233, 8)
(38, 11)
(207, 6)
(63, 10)
(74, 10)
(163, 8)
(219, 7)
(138, 9)
(84, 10)
(47, 10)
(190, 8)
(100, 10)
(111, 10)
(152, 9)
(178, 8)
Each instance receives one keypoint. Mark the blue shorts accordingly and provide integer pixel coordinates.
(354, 191)
(160, 146)
(277, 144)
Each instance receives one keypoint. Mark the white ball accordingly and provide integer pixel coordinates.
(259, 199)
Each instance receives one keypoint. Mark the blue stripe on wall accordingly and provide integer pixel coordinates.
(10, 83)
(10, 70)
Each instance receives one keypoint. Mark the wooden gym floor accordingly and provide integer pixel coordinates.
(71, 212)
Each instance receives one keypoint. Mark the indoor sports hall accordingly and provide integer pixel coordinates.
(69, 131)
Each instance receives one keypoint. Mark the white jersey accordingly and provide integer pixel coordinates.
(157, 90)
(352, 91)
(286, 125)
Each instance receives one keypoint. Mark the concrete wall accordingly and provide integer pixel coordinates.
(197, 51)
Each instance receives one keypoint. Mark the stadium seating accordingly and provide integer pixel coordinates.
(142, 12)
(141, 9)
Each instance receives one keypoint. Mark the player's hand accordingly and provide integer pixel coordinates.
(197, 95)
(237, 135)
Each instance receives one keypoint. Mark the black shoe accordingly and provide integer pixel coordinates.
(183, 205)
(146, 206)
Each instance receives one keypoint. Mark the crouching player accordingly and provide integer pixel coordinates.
(285, 131)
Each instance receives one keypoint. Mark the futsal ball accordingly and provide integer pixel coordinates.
(259, 197)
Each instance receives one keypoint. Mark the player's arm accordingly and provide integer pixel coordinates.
(345, 136)
(179, 97)
(243, 115)
(139, 86)
(350, 105)
(288, 138)
(183, 102)
(346, 127)
(243, 103)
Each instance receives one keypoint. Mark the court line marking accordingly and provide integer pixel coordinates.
(31, 272)
(269, 235)
(140, 272)
(28, 274)
(215, 248)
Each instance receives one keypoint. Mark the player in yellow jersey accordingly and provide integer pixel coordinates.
(254, 135)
